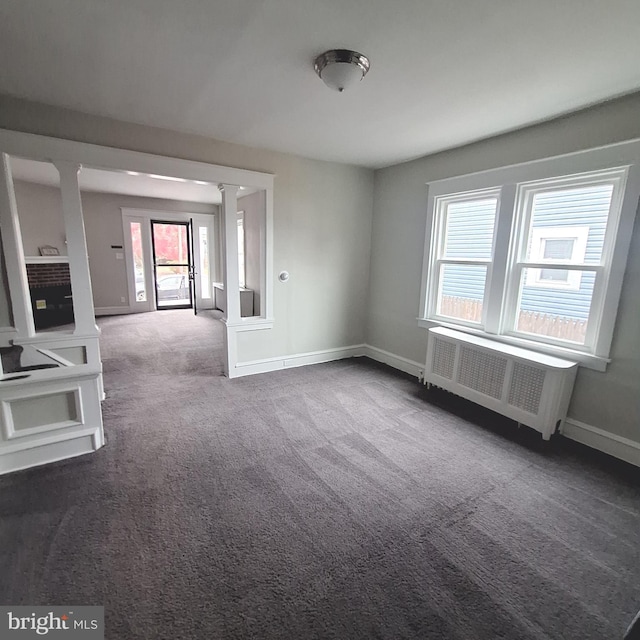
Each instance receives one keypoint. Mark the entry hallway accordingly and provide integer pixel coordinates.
(330, 501)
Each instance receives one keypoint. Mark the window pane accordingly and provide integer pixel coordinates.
(462, 291)
(558, 249)
(554, 275)
(558, 309)
(138, 262)
(241, 260)
(170, 243)
(205, 279)
(569, 224)
(172, 286)
(469, 228)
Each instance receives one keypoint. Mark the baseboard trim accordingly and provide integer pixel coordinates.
(111, 311)
(397, 362)
(610, 443)
(296, 360)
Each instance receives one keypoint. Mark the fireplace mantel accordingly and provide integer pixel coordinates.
(46, 259)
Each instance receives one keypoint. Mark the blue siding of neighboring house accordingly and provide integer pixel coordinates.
(469, 235)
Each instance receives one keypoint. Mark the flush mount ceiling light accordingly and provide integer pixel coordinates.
(341, 68)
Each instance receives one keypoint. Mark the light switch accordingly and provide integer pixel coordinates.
(119, 256)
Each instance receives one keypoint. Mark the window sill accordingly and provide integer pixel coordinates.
(588, 360)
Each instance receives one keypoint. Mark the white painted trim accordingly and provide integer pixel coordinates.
(13, 250)
(297, 360)
(43, 148)
(55, 449)
(610, 443)
(46, 259)
(55, 357)
(583, 359)
(113, 311)
(328, 355)
(616, 154)
(397, 362)
(83, 310)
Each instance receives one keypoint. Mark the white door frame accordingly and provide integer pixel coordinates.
(144, 217)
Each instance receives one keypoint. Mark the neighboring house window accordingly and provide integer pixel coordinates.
(531, 261)
(241, 252)
(559, 245)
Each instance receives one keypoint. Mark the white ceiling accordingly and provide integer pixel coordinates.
(120, 182)
(442, 73)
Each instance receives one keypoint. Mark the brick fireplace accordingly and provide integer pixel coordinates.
(50, 288)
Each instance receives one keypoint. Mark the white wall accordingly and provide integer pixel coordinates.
(41, 220)
(610, 400)
(322, 224)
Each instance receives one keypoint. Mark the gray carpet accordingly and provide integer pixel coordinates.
(332, 501)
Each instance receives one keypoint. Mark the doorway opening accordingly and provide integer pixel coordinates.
(173, 269)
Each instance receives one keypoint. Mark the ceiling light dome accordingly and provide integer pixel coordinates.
(341, 68)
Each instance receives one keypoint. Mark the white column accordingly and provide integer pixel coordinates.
(14, 255)
(83, 310)
(231, 276)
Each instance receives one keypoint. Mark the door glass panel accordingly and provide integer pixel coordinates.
(138, 261)
(172, 286)
(170, 243)
(172, 263)
(205, 276)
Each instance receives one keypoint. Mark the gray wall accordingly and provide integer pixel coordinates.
(6, 317)
(40, 211)
(253, 206)
(322, 223)
(611, 400)
(103, 226)
(41, 219)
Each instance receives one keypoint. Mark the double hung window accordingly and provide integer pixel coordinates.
(531, 261)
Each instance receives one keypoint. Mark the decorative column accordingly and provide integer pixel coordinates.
(231, 274)
(83, 311)
(14, 255)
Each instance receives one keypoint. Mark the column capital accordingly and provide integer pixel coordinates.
(230, 188)
(63, 165)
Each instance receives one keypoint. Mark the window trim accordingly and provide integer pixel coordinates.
(510, 180)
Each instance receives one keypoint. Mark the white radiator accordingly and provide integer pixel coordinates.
(526, 386)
